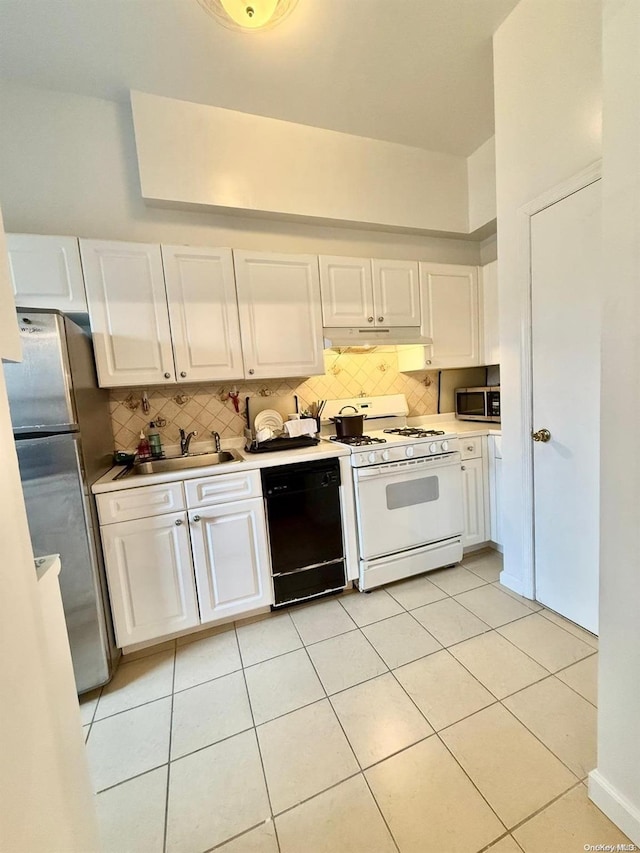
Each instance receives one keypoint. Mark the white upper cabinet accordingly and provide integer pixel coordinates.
(449, 296)
(396, 293)
(280, 314)
(359, 292)
(347, 291)
(128, 311)
(490, 314)
(203, 312)
(46, 272)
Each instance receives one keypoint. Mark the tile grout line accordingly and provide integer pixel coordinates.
(257, 740)
(353, 752)
(166, 802)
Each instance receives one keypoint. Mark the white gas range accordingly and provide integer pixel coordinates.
(408, 489)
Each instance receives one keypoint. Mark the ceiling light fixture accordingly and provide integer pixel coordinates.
(248, 15)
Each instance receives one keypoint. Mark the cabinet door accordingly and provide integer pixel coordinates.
(46, 272)
(230, 557)
(347, 292)
(473, 503)
(203, 312)
(150, 577)
(396, 293)
(495, 488)
(450, 314)
(128, 311)
(280, 314)
(490, 314)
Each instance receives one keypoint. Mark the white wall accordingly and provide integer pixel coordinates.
(202, 155)
(68, 166)
(547, 77)
(45, 798)
(615, 785)
(481, 180)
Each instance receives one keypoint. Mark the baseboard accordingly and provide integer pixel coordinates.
(512, 582)
(617, 808)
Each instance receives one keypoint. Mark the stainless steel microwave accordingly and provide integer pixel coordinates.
(478, 404)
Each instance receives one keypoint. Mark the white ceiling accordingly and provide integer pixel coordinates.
(417, 72)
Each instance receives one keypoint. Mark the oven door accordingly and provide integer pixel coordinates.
(405, 505)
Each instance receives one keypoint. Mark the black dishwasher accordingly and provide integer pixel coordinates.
(305, 529)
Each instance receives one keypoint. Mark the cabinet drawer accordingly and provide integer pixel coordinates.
(209, 491)
(140, 503)
(470, 448)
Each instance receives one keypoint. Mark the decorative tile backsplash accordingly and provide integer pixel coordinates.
(206, 407)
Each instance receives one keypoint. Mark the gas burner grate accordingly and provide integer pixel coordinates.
(358, 440)
(414, 432)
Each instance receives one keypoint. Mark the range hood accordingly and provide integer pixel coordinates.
(373, 336)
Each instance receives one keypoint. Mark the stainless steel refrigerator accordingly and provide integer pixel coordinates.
(64, 440)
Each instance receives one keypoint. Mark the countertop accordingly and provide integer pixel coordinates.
(250, 462)
(253, 461)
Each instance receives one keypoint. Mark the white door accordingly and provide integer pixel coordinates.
(280, 314)
(473, 503)
(129, 315)
(396, 293)
(150, 577)
(565, 326)
(46, 272)
(230, 556)
(347, 292)
(450, 314)
(203, 311)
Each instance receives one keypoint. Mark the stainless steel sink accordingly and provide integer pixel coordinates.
(180, 463)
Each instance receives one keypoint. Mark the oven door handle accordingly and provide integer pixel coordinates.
(397, 469)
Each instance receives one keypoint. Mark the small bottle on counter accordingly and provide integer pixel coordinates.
(144, 450)
(155, 443)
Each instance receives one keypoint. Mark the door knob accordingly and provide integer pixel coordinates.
(541, 435)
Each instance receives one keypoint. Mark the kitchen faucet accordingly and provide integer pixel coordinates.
(185, 441)
(216, 438)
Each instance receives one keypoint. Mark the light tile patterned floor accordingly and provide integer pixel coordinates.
(440, 715)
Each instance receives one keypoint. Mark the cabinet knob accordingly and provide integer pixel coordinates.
(196, 518)
(380, 319)
(369, 319)
(428, 361)
(183, 374)
(469, 446)
(178, 522)
(463, 468)
(167, 376)
(251, 370)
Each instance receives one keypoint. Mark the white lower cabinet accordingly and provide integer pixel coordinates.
(171, 571)
(473, 488)
(495, 487)
(230, 558)
(150, 576)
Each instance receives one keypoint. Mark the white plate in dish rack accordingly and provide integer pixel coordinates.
(269, 419)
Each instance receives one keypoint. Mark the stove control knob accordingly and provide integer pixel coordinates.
(445, 445)
(371, 457)
(433, 447)
(386, 455)
(409, 451)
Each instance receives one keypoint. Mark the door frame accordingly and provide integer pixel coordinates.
(590, 175)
